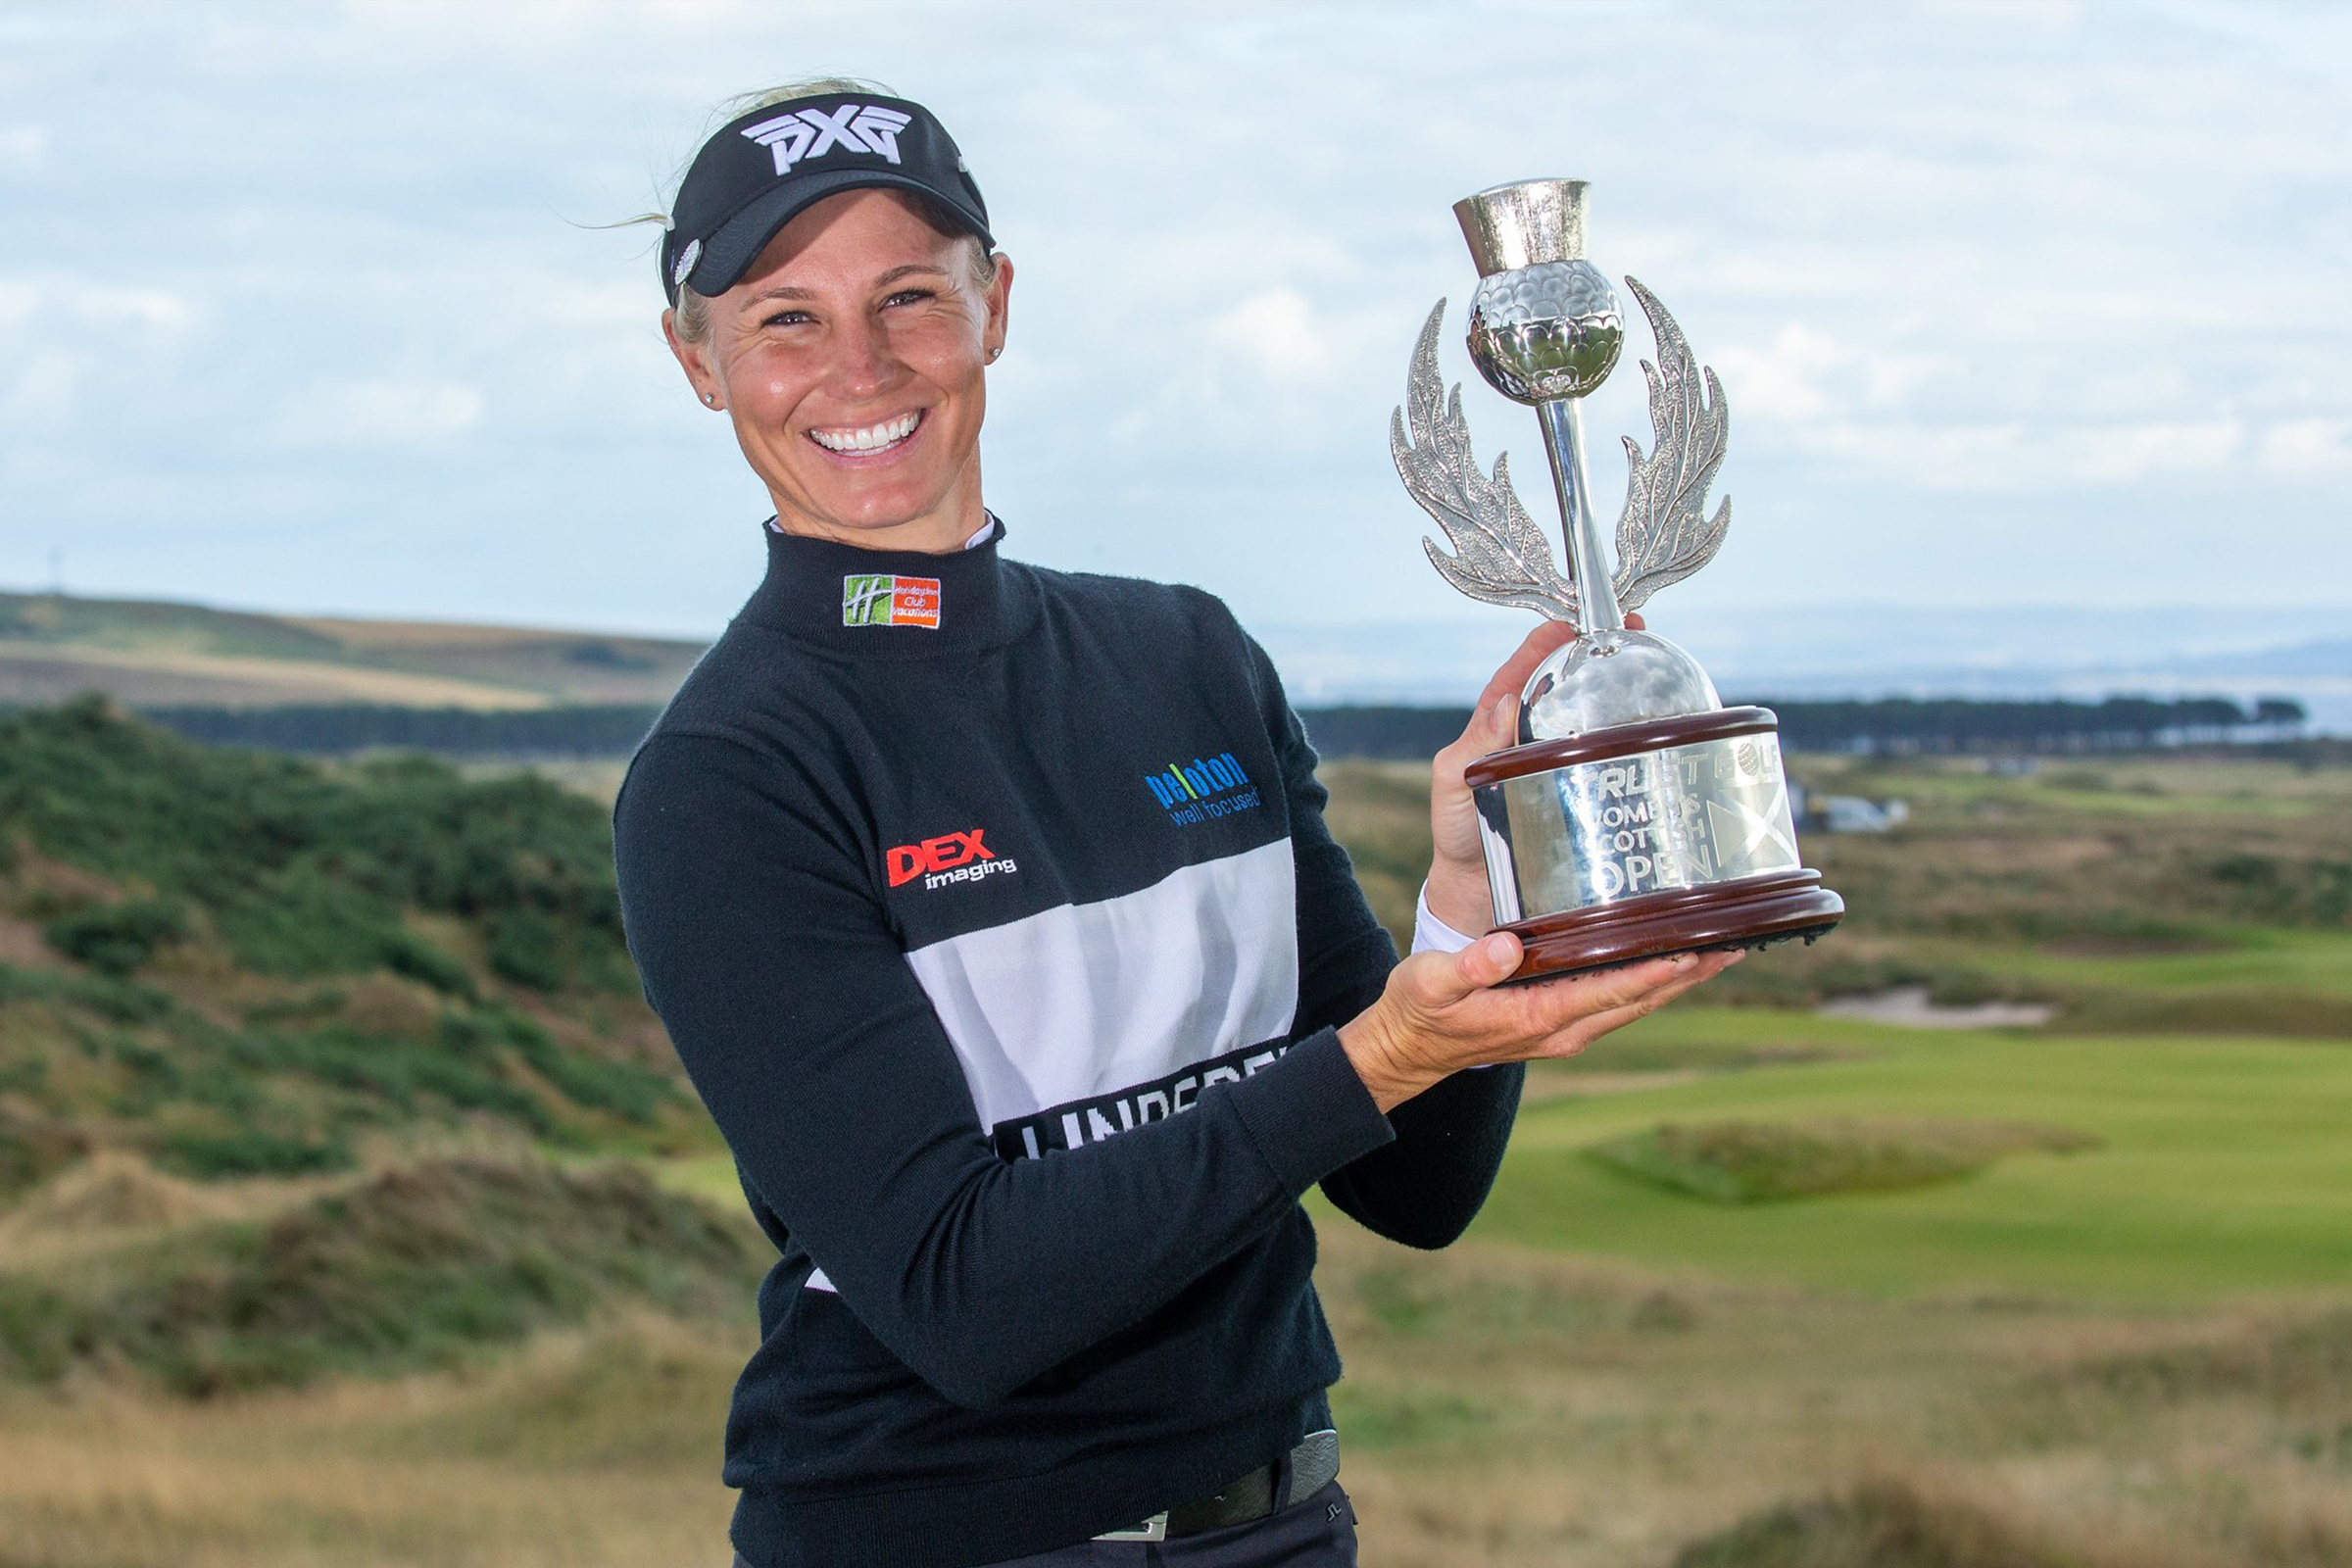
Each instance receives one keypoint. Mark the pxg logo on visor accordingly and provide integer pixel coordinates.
(814, 133)
(763, 167)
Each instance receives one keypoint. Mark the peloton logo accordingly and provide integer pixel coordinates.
(1202, 789)
(949, 857)
(814, 132)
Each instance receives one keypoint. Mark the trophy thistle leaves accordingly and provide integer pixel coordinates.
(1502, 557)
(1664, 534)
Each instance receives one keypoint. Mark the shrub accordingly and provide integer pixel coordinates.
(1880, 1524)
(115, 939)
(246, 1152)
(306, 872)
(527, 947)
(406, 952)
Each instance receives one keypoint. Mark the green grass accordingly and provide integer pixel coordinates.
(2236, 957)
(2223, 1168)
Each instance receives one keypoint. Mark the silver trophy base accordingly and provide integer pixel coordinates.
(1641, 839)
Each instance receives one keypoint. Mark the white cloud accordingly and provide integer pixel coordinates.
(20, 300)
(1276, 332)
(102, 308)
(23, 149)
(43, 393)
(2026, 457)
(379, 413)
(2301, 448)
(147, 309)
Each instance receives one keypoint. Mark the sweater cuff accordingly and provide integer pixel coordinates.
(1311, 1115)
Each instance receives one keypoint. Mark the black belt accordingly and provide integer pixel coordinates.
(1314, 1464)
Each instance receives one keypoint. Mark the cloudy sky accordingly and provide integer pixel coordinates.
(301, 307)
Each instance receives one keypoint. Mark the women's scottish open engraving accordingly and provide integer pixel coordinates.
(1647, 823)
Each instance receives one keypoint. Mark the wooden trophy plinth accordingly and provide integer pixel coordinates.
(1641, 840)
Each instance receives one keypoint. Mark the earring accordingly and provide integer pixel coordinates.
(993, 353)
(711, 398)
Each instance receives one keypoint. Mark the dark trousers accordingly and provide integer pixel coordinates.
(1317, 1532)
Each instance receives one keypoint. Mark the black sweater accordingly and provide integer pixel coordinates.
(1001, 932)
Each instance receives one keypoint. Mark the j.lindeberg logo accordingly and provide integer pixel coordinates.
(884, 599)
(1080, 1122)
(814, 132)
(1203, 788)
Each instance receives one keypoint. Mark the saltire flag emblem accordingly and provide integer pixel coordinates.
(884, 599)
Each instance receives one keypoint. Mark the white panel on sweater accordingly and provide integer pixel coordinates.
(1088, 999)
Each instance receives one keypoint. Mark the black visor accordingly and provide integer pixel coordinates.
(760, 169)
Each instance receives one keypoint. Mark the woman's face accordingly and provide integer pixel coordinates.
(851, 359)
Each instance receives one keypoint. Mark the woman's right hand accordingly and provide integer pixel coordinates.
(1442, 1013)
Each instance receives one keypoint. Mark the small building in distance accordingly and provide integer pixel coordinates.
(1844, 813)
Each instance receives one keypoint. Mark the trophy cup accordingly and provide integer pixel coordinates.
(1637, 815)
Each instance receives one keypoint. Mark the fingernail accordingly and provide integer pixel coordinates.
(1500, 951)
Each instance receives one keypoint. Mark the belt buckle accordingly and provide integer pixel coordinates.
(1155, 1528)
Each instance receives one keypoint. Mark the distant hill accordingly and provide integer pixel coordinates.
(156, 654)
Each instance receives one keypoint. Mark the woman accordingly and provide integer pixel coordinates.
(993, 915)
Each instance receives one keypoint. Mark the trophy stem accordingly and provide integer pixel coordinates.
(1563, 422)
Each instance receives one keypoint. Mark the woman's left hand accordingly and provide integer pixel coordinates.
(1457, 868)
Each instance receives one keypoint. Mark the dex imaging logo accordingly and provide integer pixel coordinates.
(884, 599)
(949, 857)
(1202, 789)
(814, 132)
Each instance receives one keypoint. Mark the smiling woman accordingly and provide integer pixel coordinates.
(993, 913)
(849, 355)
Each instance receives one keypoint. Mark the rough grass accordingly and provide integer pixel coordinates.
(1887, 1524)
(1756, 1162)
(1539, 1408)
(110, 1192)
(414, 1268)
(1503, 1409)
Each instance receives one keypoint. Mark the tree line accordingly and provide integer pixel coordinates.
(1887, 724)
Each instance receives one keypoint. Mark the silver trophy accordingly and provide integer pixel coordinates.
(1637, 815)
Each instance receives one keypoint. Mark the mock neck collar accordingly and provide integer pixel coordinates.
(889, 603)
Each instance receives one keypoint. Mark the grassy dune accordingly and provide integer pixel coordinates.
(158, 653)
(2074, 1297)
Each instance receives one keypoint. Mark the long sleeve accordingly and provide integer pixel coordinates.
(793, 1006)
(1424, 1189)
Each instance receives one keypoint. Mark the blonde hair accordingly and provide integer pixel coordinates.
(692, 317)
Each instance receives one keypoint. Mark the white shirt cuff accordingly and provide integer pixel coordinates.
(1431, 934)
